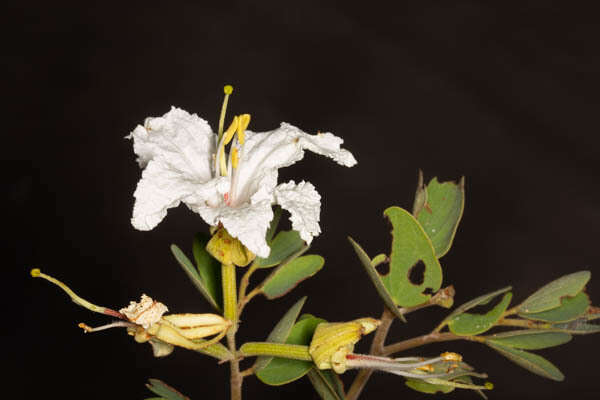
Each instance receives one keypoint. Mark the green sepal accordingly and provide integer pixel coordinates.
(468, 324)
(529, 339)
(439, 211)
(281, 370)
(570, 309)
(549, 296)
(281, 331)
(208, 267)
(369, 267)
(531, 362)
(160, 388)
(193, 274)
(289, 275)
(410, 245)
(285, 245)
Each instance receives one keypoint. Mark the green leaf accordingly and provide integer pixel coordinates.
(281, 370)
(410, 247)
(277, 211)
(580, 326)
(570, 309)
(160, 388)
(376, 278)
(327, 384)
(481, 300)
(285, 245)
(208, 267)
(441, 212)
(549, 296)
(281, 331)
(289, 275)
(193, 274)
(467, 324)
(529, 339)
(531, 362)
(426, 387)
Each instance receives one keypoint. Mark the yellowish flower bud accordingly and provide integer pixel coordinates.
(332, 342)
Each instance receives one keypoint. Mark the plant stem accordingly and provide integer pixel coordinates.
(426, 339)
(376, 349)
(524, 323)
(230, 312)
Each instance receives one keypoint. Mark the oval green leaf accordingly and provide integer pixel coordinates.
(208, 267)
(193, 274)
(410, 247)
(481, 300)
(281, 331)
(531, 362)
(376, 278)
(530, 339)
(580, 326)
(440, 213)
(327, 384)
(570, 309)
(425, 387)
(281, 370)
(285, 245)
(160, 388)
(549, 296)
(467, 324)
(288, 275)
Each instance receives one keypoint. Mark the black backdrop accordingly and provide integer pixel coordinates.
(505, 95)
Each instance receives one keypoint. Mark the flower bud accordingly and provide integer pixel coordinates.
(332, 342)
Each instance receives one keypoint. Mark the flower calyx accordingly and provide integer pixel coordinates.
(229, 250)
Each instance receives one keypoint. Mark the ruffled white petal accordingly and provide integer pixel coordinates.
(265, 152)
(159, 189)
(304, 204)
(181, 140)
(144, 313)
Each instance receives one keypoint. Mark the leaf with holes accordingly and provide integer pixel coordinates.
(440, 211)
(208, 267)
(531, 362)
(282, 370)
(281, 331)
(412, 255)
(160, 388)
(467, 324)
(571, 308)
(327, 384)
(369, 267)
(286, 244)
(549, 296)
(193, 274)
(289, 275)
(529, 339)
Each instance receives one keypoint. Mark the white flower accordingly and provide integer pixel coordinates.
(145, 313)
(178, 152)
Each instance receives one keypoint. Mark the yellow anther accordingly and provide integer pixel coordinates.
(85, 327)
(228, 89)
(427, 368)
(489, 385)
(235, 158)
(228, 135)
(243, 124)
(35, 272)
(448, 356)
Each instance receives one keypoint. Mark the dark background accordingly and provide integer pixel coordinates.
(506, 95)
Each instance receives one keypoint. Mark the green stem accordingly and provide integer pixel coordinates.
(292, 351)
(426, 339)
(229, 294)
(228, 280)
